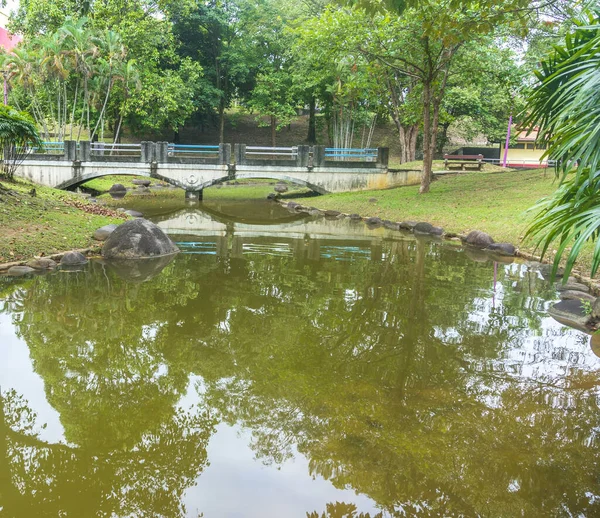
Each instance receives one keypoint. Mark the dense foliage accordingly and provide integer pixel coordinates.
(17, 134)
(97, 69)
(565, 106)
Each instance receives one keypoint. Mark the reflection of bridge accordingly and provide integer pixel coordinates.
(69, 164)
(309, 237)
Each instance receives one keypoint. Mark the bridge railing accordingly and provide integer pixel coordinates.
(351, 154)
(301, 156)
(278, 153)
(109, 149)
(47, 148)
(189, 150)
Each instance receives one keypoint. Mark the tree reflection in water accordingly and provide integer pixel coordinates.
(386, 366)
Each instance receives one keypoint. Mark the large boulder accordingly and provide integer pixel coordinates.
(117, 187)
(407, 225)
(572, 285)
(141, 183)
(478, 239)
(138, 239)
(391, 225)
(73, 259)
(423, 228)
(134, 213)
(572, 313)
(280, 188)
(546, 272)
(43, 263)
(577, 295)
(103, 232)
(374, 222)
(505, 249)
(18, 271)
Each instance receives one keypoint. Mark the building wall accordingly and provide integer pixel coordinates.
(530, 153)
(7, 40)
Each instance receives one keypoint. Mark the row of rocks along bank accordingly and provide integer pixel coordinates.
(578, 307)
(133, 240)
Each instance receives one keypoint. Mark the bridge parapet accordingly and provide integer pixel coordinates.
(195, 167)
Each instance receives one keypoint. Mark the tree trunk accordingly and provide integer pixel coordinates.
(221, 121)
(436, 123)
(273, 131)
(442, 138)
(312, 122)
(427, 139)
(408, 142)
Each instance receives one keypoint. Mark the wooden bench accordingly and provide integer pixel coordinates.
(475, 162)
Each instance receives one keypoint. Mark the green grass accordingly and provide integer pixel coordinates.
(438, 165)
(492, 202)
(246, 189)
(43, 224)
(104, 183)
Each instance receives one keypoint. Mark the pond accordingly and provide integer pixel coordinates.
(287, 366)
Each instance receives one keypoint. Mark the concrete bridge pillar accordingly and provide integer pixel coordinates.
(147, 152)
(224, 154)
(193, 196)
(319, 156)
(383, 157)
(302, 156)
(239, 151)
(70, 150)
(85, 150)
(161, 152)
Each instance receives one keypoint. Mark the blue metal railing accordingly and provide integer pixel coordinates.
(52, 147)
(361, 154)
(188, 149)
(49, 148)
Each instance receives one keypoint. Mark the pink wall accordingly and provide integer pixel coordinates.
(7, 41)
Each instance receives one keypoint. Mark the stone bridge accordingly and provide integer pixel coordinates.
(194, 168)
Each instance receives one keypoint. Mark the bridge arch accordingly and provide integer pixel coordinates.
(76, 181)
(285, 178)
(266, 175)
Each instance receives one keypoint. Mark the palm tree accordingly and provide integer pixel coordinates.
(129, 76)
(83, 48)
(23, 66)
(565, 105)
(114, 53)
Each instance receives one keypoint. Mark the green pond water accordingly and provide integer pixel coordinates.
(284, 366)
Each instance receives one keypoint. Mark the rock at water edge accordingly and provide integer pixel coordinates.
(138, 239)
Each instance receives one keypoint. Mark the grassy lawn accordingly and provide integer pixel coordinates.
(104, 183)
(245, 189)
(492, 202)
(50, 222)
(438, 165)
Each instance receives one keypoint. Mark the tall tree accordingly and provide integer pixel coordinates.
(434, 31)
(211, 33)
